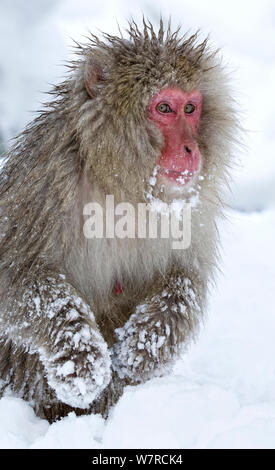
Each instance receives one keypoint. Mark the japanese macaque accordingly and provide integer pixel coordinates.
(147, 119)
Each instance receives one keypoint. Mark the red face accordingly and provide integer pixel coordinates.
(177, 113)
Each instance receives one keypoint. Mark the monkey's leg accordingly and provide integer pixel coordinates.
(158, 329)
(52, 323)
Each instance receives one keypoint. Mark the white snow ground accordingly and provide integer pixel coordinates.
(222, 394)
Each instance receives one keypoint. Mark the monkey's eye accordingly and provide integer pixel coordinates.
(164, 108)
(189, 108)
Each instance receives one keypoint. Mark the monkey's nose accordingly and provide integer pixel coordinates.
(187, 149)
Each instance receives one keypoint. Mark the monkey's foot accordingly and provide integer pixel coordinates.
(81, 371)
(144, 348)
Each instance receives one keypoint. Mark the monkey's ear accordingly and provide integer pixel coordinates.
(93, 75)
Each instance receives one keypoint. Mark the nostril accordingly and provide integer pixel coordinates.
(187, 149)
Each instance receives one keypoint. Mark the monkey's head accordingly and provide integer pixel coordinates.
(157, 117)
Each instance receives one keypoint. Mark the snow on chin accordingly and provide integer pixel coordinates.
(182, 193)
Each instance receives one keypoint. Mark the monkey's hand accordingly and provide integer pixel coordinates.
(61, 328)
(79, 369)
(157, 331)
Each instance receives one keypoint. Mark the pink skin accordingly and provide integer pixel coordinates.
(118, 288)
(180, 159)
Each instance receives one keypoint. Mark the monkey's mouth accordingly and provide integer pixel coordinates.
(179, 177)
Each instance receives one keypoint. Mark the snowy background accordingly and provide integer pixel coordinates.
(222, 394)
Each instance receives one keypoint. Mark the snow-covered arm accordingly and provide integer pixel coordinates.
(158, 329)
(50, 319)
